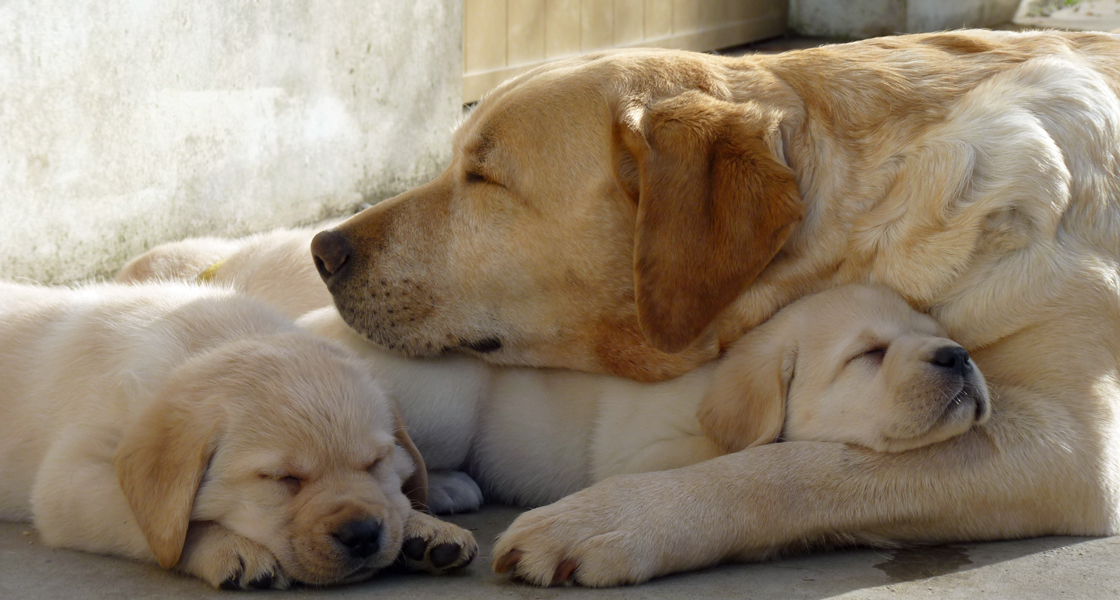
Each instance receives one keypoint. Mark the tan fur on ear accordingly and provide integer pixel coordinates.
(746, 405)
(160, 463)
(416, 486)
(714, 207)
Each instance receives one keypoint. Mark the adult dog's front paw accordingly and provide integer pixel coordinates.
(624, 530)
(229, 561)
(436, 546)
(616, 532)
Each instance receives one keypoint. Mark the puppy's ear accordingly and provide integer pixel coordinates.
(714, 207)
(746, 405)
(160, 463)
(415, 488)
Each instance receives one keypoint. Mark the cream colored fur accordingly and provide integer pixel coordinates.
(637, 212)
(196, 428)
(275, 265)
(532, 436)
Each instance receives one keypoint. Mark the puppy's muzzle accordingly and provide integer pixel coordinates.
(953, 359)
(361, 539)
(333, 255)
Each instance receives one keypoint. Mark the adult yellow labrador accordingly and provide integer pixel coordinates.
(636, 212)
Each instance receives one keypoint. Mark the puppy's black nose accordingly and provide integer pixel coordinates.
(360, 538)
(333, 254)
(953, 358)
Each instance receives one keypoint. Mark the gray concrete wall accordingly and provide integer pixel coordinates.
(127, 123)
(855, 19)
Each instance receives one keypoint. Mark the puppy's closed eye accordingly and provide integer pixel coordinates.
(873, 354)
(377, 462)
(292, 483)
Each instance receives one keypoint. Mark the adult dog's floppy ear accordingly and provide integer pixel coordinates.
(714, 207)
(160, 463)
(415, 488)
(746, 405)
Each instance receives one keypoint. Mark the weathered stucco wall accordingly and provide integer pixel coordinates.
(854, 19)
(127, 123)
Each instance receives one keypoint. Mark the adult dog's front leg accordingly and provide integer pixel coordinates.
(988, 484)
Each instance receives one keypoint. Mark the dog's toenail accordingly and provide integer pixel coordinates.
(263, 582)
(564, 571)
(508, 561)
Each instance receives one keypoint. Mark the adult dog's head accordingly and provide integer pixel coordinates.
(598, 214)
(284, 440)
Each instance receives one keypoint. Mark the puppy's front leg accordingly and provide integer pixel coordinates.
(77, 503)
(229, 561)
(435, 546)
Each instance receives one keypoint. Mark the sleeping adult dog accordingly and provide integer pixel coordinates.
(636, 212)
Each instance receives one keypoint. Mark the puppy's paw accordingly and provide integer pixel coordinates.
(229, 561)
(452, 492)
(435, 546)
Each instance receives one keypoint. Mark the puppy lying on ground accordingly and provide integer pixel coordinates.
(854, 364)
(198, 429)
(274, 266)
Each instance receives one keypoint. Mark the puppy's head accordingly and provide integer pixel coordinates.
(854, 364)
(598, 214)
(283, 440)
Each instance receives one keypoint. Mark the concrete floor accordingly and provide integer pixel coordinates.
(1037, 568)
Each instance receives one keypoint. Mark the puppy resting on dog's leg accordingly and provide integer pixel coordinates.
(191, 427)
(853, 364)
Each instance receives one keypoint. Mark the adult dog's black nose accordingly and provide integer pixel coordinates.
(953, 358)
(361, 539)
(333, 255)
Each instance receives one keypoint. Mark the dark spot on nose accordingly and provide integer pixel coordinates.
(361, 539)
(953, 358)
(333, 255)
(485, 345)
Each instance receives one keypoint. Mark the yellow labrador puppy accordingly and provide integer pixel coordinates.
(869, 371)
(273, 266)
(200, 430)
(637, 212)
